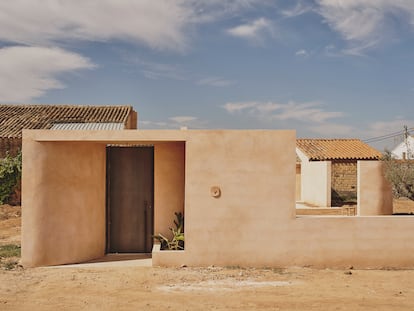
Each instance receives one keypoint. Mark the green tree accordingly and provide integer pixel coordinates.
(10, 175)
(400, 174)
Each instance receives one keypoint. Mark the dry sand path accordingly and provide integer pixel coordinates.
(134, 285)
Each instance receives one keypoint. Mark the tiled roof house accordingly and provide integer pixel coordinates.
(331, 164)
(15, 118)
(336, 149)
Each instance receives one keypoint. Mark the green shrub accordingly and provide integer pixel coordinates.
(9, 250)
(10, 175)
(400, 174)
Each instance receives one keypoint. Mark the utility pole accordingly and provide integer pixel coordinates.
(407, 144)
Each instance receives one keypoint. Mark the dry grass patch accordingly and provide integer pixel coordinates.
(9, 256)
(10, 224)
(10, 218)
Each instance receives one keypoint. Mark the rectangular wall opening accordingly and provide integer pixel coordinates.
(169, 185)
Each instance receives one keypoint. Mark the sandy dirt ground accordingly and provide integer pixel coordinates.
(146, 288)
(10, 220)
(133, 285)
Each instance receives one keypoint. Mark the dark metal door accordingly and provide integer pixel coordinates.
(130, 192)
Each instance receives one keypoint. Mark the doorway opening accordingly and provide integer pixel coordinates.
(129, 199)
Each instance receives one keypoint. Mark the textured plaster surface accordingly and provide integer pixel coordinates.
(374, 192)
(63, 217)
(169, 170)
(252, 222)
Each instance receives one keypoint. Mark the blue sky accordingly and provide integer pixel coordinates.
(327, 68)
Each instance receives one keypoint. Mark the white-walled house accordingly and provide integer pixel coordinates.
(405, 150)
(328, 172)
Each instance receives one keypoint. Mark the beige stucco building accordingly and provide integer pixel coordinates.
(78, 199)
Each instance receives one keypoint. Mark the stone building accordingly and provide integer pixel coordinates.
(329, 169)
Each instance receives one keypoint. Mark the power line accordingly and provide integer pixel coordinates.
(388, 136)
(375, 139)
(379, 138)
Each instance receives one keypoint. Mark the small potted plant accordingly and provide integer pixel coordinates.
(177, 240)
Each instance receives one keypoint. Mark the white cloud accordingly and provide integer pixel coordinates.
(212, 10)
(155, 71)
(159, 24)
(28, 72)
(302, 53)
(360, 49)
(333, 130)
(299, 9)
(166, 24)
(308, 112)
(175, 122)
(152, 124)
(238, 107)
(216, 81)
(355, 21)
(365, 23)
(254, 31)
(182, 119)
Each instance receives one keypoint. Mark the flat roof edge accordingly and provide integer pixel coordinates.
(127, 135)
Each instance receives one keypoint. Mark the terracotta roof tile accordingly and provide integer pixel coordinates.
(14, 118)
(337, 149)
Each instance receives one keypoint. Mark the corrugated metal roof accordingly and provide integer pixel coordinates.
(88, 126)
(337, 149)
(14, 118)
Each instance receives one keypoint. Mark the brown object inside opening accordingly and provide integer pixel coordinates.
(130, 195)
